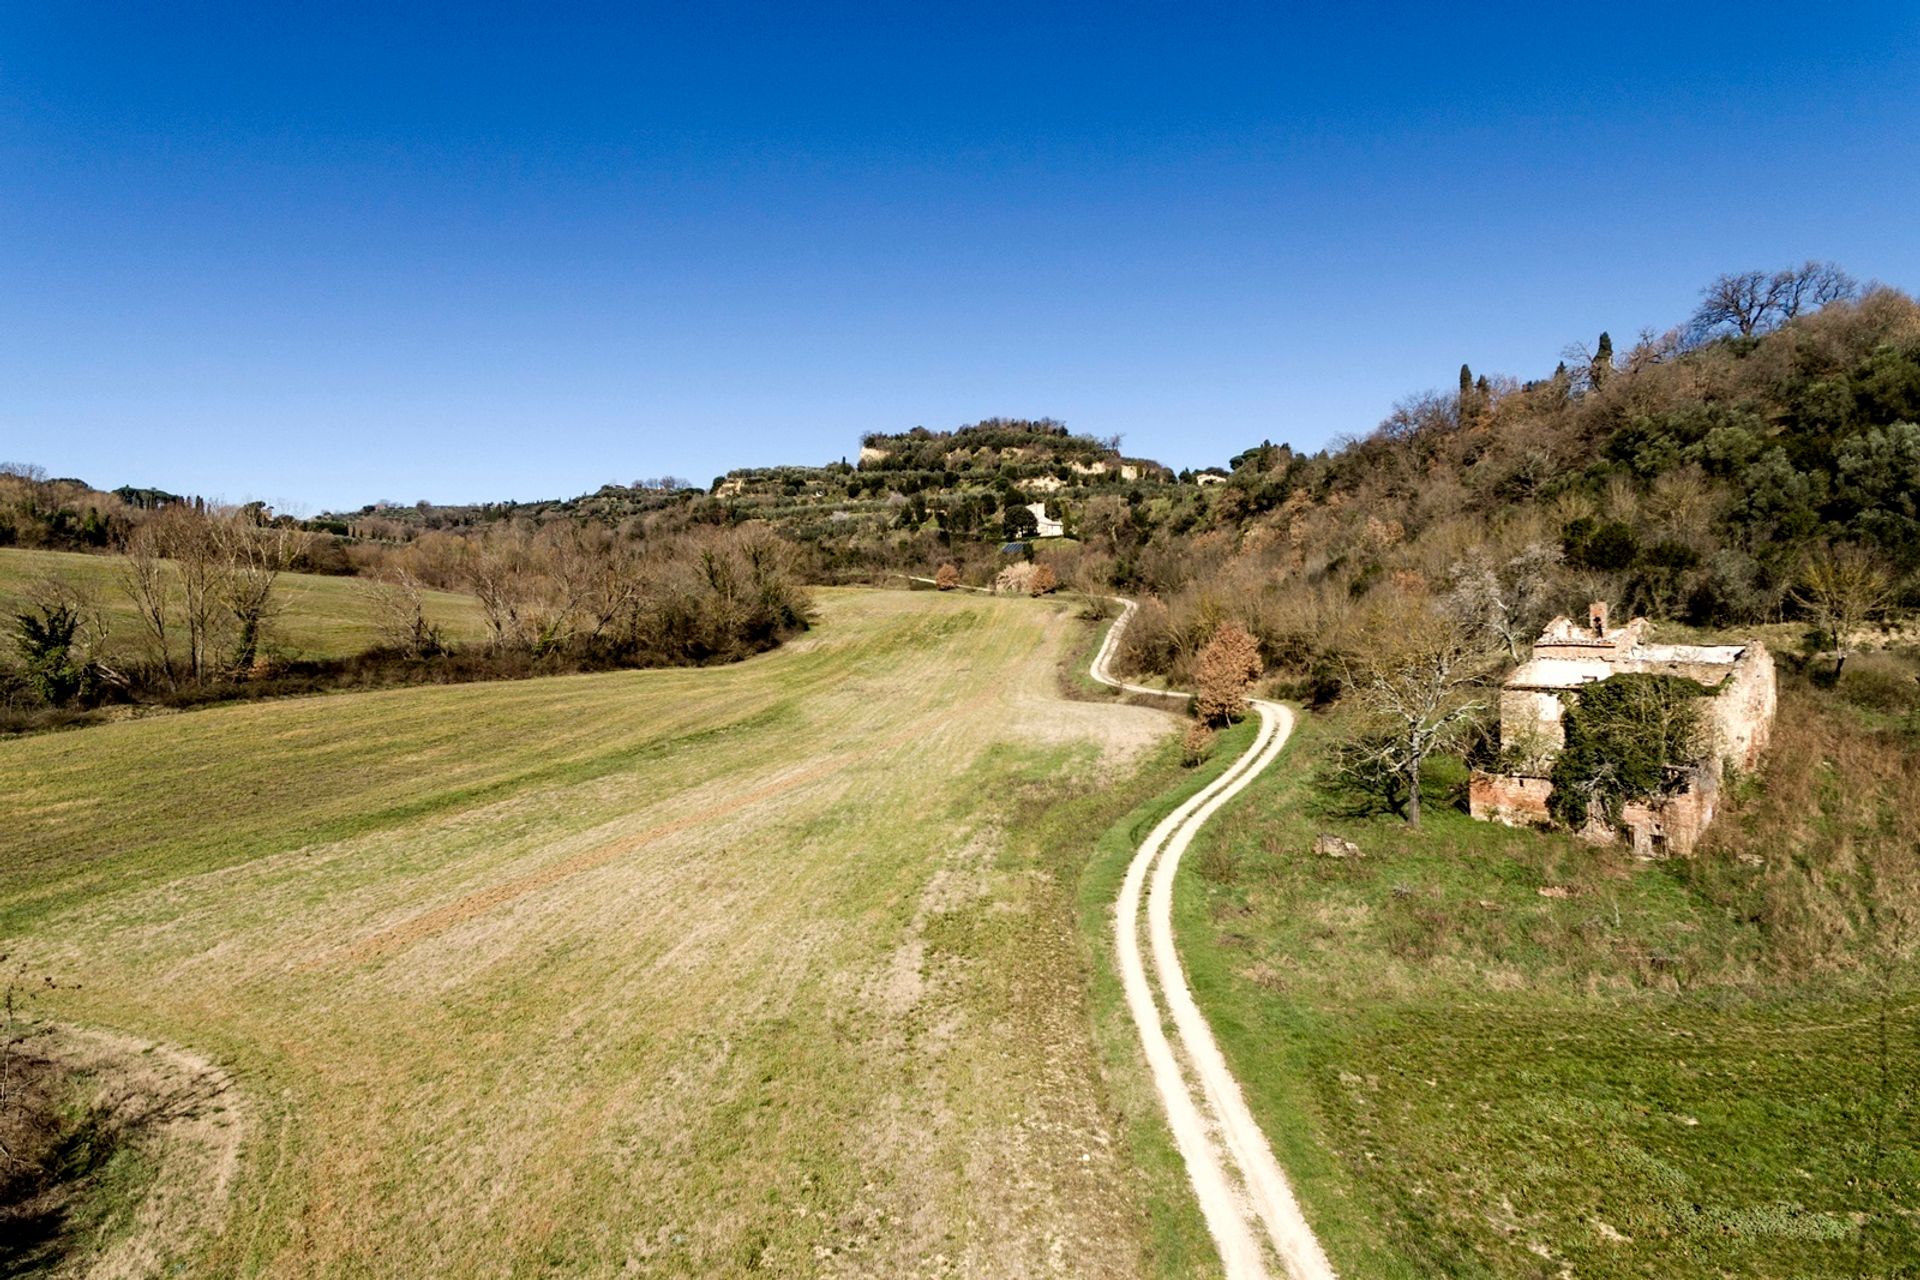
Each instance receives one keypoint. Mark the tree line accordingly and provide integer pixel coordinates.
(201, 593)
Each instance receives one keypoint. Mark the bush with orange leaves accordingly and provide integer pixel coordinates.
(1196, 745)
(1229, 663)
(946, 577)
(1043, 580)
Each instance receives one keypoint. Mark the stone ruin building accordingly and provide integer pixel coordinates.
(1739, 718)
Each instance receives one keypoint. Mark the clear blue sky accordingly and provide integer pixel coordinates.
(330, 253)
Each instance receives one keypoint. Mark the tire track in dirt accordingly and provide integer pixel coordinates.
(1248, 1204)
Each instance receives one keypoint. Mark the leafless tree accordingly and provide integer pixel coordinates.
(1752, 302)
(1813, 285)
(613, 586)
(1842, 588)
(398, 600)
(495, 568)
(252, 554)
(148, 584)
(187, 538)
(1417, 679)
(1510, 599)
(587, 576)
(1742, 300)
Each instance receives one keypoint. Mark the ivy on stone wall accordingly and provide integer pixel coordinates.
(1630, 737)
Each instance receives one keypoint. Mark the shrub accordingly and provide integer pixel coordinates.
(47, 638)
(1196, 744)
(946, 577)
(1043, 581)
(1015, 579)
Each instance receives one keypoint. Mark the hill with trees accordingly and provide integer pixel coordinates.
(1716, 474)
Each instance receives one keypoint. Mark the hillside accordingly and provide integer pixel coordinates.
(905, 496)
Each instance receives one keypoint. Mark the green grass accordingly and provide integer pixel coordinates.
(1465, 1077)
(324, 617)
(770, 968)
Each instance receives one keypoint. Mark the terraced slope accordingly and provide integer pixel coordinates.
(661, 973)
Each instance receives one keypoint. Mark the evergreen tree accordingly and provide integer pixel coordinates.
(1602, 360)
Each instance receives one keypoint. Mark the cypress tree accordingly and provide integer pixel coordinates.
(1602, 360)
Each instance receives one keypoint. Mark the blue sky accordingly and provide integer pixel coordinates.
(327, 254)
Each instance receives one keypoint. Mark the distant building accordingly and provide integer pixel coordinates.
(1534, 699)
(1048, 527)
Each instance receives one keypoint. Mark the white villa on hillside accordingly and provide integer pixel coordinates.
(1048, 526)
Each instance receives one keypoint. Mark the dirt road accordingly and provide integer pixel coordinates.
(1249, 1207)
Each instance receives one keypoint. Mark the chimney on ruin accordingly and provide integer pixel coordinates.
(1597, 618)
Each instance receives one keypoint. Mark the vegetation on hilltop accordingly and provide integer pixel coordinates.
(1695, 480)
(1715, 474)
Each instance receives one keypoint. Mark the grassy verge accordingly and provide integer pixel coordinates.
(1484, 1052)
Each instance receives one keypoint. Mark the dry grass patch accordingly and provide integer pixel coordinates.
(652, 973)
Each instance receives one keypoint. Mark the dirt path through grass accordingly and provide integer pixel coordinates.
(1249, 1206)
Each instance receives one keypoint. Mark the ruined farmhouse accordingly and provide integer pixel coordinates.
(1568, 656)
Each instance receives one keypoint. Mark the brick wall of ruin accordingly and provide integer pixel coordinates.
(1518, 800)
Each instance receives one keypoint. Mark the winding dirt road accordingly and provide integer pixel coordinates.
(1249, 1207)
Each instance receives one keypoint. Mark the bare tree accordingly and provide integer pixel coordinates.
(613, 586)
(1752, 302)
(398, 600)
(1417, 682)
(253, 553)
(1742, 300)
(188, 539)
(495, 569)
(148, 584)
(1813, 285)
(1509, 600)
(1842, 588)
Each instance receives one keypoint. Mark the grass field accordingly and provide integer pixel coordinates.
(774, 968)
(324, 617)
(1706, 1068)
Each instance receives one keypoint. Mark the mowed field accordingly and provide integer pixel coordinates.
(322, 617)
(771, 968)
